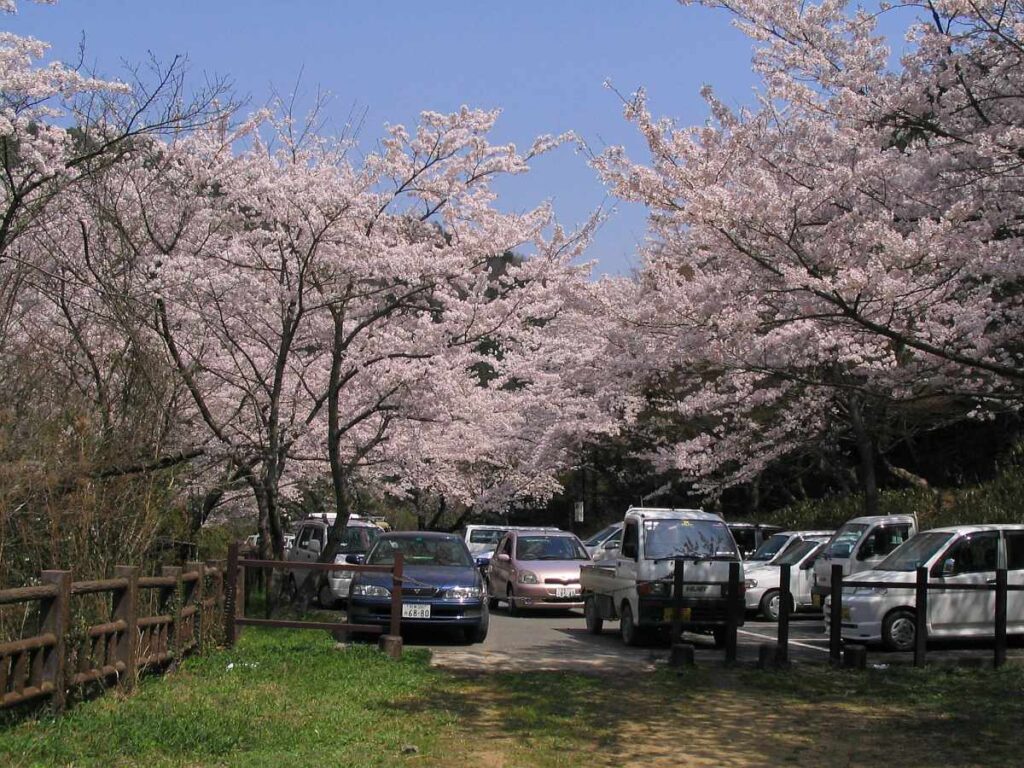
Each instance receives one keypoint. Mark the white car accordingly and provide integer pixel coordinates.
(967, 555)
(774, 546)
(605, 544)
(763, 580)
(311, 535)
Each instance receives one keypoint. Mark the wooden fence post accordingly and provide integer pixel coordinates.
(126, 609)
(835, 627)
(785, 603)
(167, 595)
(921, 617)
(1000, 650)
(55, 618)
(197, 593)
(231, 595)
(733, 607)
(391, 643)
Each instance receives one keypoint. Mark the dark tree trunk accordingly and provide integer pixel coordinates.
(866, 453)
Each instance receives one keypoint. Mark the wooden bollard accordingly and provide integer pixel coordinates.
(681, 655)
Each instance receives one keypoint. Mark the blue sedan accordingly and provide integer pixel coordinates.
(442, 585)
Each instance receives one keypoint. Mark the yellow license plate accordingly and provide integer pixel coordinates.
(684, 614)
(816, 601)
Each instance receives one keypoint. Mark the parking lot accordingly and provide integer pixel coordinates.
(560, 641)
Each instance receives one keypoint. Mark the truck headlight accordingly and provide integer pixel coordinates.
(527, 577)
(462, 593)
(370, 590)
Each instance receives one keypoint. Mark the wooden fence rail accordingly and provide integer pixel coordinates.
(189, 602)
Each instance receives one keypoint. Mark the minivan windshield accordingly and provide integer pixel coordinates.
(700, 539)
(770, 547)
(485, 535)
(845, 540)
(358, 538)
(796, 553)
(915, 551)
(601, 535)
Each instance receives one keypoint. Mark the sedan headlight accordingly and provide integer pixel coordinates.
(870, 590)
(750, 583)
(370, 590)
(462, 593)
(527, 577)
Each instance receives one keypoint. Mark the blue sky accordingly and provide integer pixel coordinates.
(542, 62)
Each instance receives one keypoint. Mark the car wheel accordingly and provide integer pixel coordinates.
(770, 605)
(325, 597)
(720, 635)
(478, 633)
(627, 627)
(510, 597)
(899, 630)
(289, 591)
(593, 615)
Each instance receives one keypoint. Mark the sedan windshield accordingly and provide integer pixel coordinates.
(915, 552)
(846, 538)
(549, 548)
(420, 550)
(701, 539)
(795, 553)
(770, 547)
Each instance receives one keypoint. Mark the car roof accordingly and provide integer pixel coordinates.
(808, 533)
(667, 513)
(356, 522)
(744, 524)
(976, 528)
(545, 531)
(879, 518)
(439, 535)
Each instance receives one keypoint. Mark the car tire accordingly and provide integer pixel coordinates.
(290, 590)
(478, 633)
(770, 602)
(510, 599)
(720, 635)
(899, 630)
(592, 614)
(627, 627)
(325, 597)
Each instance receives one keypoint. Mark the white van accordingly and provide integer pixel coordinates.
(482, 539)
(860, 545)
(960, 555)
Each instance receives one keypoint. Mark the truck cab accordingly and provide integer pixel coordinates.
(635, 586)
(859, 545)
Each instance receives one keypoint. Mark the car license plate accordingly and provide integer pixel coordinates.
(415, 611)
(684, 614)
(816, 600)
(566, 592)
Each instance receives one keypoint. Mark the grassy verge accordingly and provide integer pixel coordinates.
(290, 699)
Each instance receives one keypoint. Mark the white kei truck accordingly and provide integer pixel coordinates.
(635, 586)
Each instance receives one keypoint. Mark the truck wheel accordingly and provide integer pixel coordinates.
(510, 597)
(325, 597)
(593, 615)
(770, 605)
(628, 628)
(899, 630)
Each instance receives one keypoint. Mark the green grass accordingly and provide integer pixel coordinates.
(290, 699)
(279, 699)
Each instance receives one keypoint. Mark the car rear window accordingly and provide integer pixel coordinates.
(485, 536)
(770, 547)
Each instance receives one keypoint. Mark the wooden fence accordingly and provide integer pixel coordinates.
(185, 605)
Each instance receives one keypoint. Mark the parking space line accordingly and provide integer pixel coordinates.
(775, 639)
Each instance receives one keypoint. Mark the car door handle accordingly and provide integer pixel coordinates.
(990, 581)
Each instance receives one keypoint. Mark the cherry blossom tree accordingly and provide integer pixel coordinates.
(851, 239)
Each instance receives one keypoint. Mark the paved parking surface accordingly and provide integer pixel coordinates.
(543, 641)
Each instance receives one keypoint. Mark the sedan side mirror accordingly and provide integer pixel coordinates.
(315, 546)
(503, 557)
(355, 559)
(949, 567)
